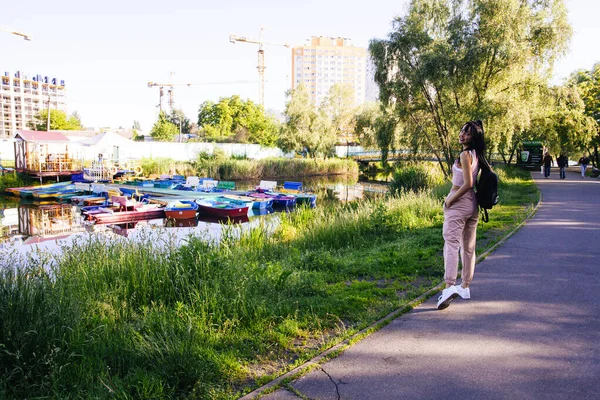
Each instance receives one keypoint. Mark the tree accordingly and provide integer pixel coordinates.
(339, 107)
(233, 119)
(178, 118)
(377, 126)
(136, 125)
(588, 83)
(449, 61)
(164, 130)
(58, 121)
(571, 130)
(306, 128)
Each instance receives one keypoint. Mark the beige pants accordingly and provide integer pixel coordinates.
(460, 232)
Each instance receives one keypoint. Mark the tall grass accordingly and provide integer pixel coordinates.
(220, 167)
(410, 176)
(148, 319)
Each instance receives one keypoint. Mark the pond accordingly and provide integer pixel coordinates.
(25, 224)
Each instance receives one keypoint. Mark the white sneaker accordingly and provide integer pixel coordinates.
(465, 293)
(446, 298)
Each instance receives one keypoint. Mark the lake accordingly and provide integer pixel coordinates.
(27, 224)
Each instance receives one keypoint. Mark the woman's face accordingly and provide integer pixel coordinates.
(464, 137)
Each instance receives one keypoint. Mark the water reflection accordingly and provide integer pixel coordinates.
(36, 222)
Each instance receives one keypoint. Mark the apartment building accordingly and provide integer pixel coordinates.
(324, 61)
(22, 97)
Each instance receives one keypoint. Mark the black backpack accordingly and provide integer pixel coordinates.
(487, 191)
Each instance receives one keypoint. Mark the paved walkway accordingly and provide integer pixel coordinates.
(530, 331)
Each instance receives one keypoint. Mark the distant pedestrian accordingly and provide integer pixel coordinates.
(584, 161)
(461, 214)
(563, 162)
(547, 161)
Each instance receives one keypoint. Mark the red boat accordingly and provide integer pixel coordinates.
(182, 209)
(110, 216)
(125, 210)
(222, 207)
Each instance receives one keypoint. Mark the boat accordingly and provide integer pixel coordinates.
(181, 209)
(58, 194)
(222, 207)
(255, 203)
(85, 199)
(123, 209)
(279, 200)
(302, 198)
(106, 215)
(27, 191)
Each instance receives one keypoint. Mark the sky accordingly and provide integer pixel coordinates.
(107, 52)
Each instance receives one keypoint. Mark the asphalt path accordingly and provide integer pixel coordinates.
(530, 331)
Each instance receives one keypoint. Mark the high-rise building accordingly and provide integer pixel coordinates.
(372, 88)
(324, 61)
(21, 98)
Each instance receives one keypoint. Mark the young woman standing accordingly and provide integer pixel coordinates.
(461, 214)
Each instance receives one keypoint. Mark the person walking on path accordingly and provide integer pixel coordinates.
(461, 214)
(563, 163)
(547, 161)
(584, 161)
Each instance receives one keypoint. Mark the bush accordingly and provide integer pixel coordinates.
(413, 178)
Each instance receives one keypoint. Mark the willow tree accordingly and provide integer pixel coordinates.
(377, 127)
(306, 128)
(449, 61)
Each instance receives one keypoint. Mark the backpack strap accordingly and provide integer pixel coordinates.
(484, 215)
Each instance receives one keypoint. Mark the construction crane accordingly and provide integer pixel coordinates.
(13, 32)
(161, 86)
(261, 60)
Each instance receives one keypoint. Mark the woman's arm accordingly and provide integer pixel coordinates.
(465, 163)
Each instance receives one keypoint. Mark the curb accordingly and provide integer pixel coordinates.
(375, 326)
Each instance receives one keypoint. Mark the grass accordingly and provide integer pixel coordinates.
(127, 320)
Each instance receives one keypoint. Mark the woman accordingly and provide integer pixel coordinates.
(584, 161)
(461, 214)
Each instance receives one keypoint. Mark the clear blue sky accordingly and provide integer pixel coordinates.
(108, 51)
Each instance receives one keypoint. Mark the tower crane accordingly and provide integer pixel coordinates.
(161, 86)
(261, 59)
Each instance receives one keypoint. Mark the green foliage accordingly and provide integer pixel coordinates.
(159, 166)
(339, 106)
(378, 126)
(147, 319)
(58, 121)
(414, 178)
(230, 169)
(179, 119)
(588, 83)
(450, 61)
(235, 120)
(10, 181)
(164, 130)
(306, 128)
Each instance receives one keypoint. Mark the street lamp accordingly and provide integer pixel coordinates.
(23, 35)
